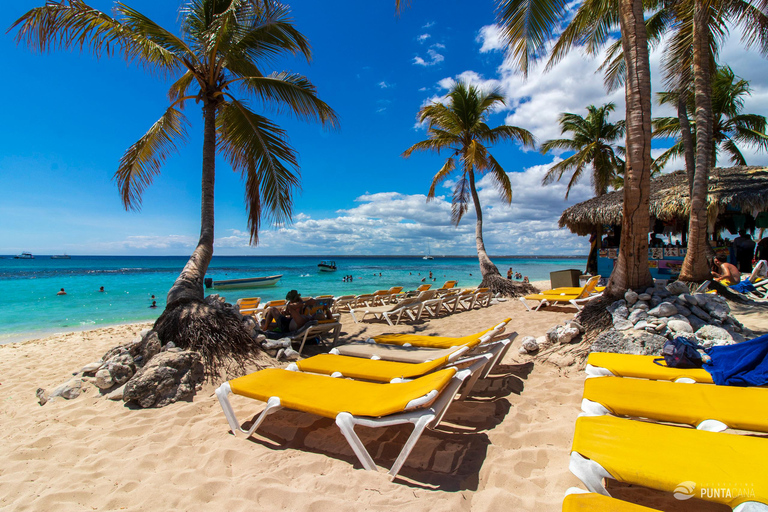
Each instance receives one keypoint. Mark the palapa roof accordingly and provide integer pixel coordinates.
(742, 187)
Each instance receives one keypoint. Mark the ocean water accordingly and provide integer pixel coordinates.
(30, 308)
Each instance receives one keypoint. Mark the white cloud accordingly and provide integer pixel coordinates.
(429, 24)
(423, 37)
(438, 46)
(491, 39)
(434, 58)
(384, 85)
(146, 243)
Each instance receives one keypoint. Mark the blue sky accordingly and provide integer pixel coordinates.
(70, 117)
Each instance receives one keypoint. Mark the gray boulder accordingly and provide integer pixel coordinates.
(655, 301)
(631, 297)
(529, 344)
(91, 368)
(150, 346)
(69, 390)
(690, 299)
(165, 379)
(696, 322)
(616, 305)
(120, 372)
(644, 296)
(663, 309)
(621, 312)
(712, 332)
(641, 304)
(683, 310)
(697, 311)
(718, 312)
(637, 315)
(622, 324)
(680, 327)
(104, 379)
(677, 288)
(628, 342)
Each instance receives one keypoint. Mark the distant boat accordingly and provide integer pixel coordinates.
(326, 266)
(61, 257)
(429, 254)
(24, 256)
(248, 282)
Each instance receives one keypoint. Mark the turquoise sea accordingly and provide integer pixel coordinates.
(30, 308)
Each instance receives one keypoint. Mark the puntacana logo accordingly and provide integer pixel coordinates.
(684, 490)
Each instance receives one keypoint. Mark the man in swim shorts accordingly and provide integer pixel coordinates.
(293, 317)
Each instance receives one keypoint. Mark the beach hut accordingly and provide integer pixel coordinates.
(738, 199)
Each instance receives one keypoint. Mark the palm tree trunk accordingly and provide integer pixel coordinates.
(685, 136)
(695, 265)
(189, 284)
(631, 270)
(486, 265)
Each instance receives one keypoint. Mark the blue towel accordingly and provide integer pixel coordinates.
(744, 286)
(742, 364)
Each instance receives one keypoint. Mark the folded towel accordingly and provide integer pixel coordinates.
(741, 364)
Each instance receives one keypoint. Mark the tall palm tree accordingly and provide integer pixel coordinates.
(219, 59)
(528, 25)
(731, 127)
(593, 144)
(459, 126)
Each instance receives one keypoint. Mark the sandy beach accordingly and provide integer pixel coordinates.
(507, 447)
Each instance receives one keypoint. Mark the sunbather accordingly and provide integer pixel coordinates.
(293, 316)
(725, 273)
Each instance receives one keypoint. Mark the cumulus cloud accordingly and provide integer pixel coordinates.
(423, 37)
(491, 39)
(434, 58)
(384, 85)
(168, 244)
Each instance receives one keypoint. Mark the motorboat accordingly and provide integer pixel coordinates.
(247, 282)
(61, 257)
(24, 256)
(326, 266)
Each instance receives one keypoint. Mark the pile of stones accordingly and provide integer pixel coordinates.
(141, 372)
(567, 333)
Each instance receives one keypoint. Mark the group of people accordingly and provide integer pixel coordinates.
(517, 275)
(347, 279)
(294, 315)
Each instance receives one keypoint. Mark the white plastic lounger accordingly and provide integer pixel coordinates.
(410, 307)
(422, 401)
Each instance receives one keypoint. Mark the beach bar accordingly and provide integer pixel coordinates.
(738, 199)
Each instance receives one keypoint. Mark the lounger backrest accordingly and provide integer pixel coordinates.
(448, 284)
(761, 270)
(427, 295)
(248, 302)
(275, 303)
(396, 289)
(589, 288)
(423, 287)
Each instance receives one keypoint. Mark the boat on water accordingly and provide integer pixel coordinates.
(326, 266)
(24, 256)
(61, 257)
(248, 282)
(429, 254)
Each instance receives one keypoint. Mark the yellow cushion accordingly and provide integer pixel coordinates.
(662, 457)
(643, 367)
(591, 502)
(327, 396)
(368, 369)
(417, 340)
(562, 297)
(741, 408)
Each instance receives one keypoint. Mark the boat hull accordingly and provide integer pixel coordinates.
(322, 268)
(248, 282)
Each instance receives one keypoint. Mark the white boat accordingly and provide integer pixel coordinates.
(247, 282)
(61, 257)
(429, 254)
(24, 256)
(326, 266)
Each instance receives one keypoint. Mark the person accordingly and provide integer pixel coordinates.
(152, 298)
(509, 273)
(525, 279)
(61, 292)
(655, 242)
(101, 288)
(154, 304)
(745, 250)
(725, 273)
(292, 317)
(762, 249)
(430, 274)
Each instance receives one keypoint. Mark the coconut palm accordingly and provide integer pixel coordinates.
(731, 128)
(219, 60)
(527, 26)
(459, 127)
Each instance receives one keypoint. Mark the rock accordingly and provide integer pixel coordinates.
(641, 304)
(715, 343)
(529, 344)
(697, 311)
(120, 373)
(542, 342)
(696, 322)
(104, 379)
(124, 359)
(735, 336)
(150, 347)
(712, 332)
(718, 312)
(644, 296)
(655, 301)
(165, 379)
(552, 334)
(42, 397)
(677, 287)
(628, 342)
(622, 324)
(69, 390)
(273, 344)
(683, 310)
(690, 299)
(287, 354)
(637, 315)
(650, 291)
(168, 346)
(567, 334)
(663, 309)
(631, 297)
(642, 324)
(680, 327)
(621, 312)
(116, 394)
(576, 324)
(616, 305)
(91, 368)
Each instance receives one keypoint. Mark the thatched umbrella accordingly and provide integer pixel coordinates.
(741, 188)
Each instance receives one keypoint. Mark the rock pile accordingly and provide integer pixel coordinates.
(140, 371)
(557, 335)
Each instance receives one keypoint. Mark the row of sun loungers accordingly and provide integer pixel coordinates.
(373, 390)
(705, 462)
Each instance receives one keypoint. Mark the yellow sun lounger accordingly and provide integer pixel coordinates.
(601, 364)
(422, 401)
(713, 408)
(714, 466)
(417, 340)
(580, 501)
(574, 296)
(590, 286)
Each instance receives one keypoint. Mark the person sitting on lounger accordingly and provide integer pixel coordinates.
(293, 317)
(725, 273)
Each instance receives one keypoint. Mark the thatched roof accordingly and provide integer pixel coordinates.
(745, 188)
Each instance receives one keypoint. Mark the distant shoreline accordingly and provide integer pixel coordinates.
(323, 256)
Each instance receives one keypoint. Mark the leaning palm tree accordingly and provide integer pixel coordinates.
(528, 26)
(459, 126)
(593, 144)
(731, 128)
(219, 58)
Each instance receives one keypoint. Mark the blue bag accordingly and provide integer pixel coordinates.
(681, 353)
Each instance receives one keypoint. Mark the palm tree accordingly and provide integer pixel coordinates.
(220, 54)
(593, 144)
(730, 128)
(527, 26)
(459, 126)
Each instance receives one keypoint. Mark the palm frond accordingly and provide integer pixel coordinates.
(460, 200)
(142, 161)
(500, 179)
(448, 167)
